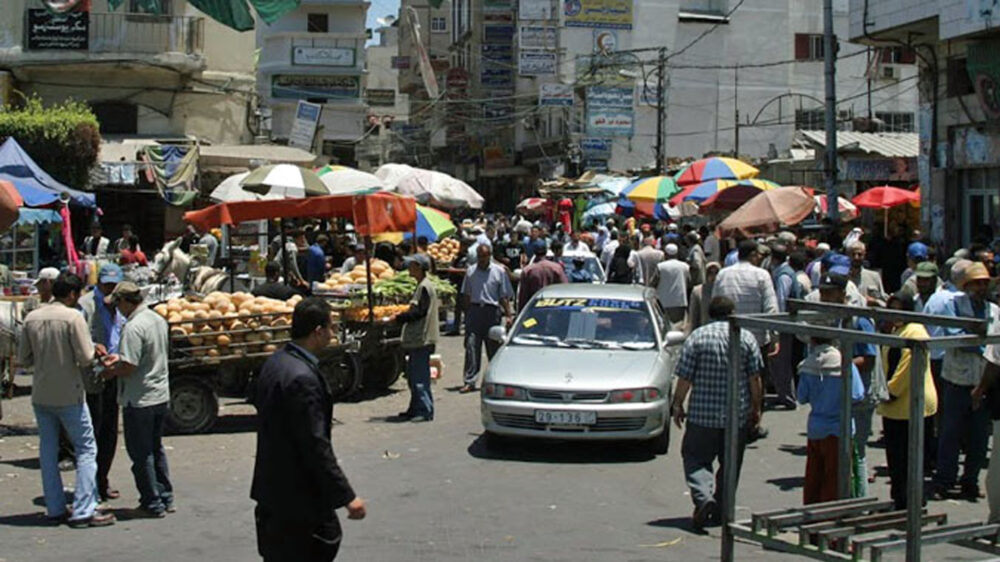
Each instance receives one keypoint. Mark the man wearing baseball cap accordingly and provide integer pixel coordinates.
(144, 393)
(419, 336)
(961, 373)
(106, 325)
(46, 277)
(916, 252)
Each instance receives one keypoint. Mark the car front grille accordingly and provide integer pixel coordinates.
(557, 396)
(519, 421)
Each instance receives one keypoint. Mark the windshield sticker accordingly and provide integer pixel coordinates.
(576, 304)
(530, 323)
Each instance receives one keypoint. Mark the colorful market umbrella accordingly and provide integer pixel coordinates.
(885, 197)
(284, 180)
(768, 211)
(598, 212)
(847, 210)
(745, 189)
(231, 190)
(342, 180)
(434, 224)
(715, 168)
(430, 187)
(645, 195)
(534, 206)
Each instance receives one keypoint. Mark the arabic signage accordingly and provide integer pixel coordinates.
(305, 86)
(536, 63)
(881, 169)
(555, 94)
(68, 31)
(595, 147)
(611, 14)
(535, 10)
(649, 93)
(609, 96)
(498, 33)
(537, 37)
(611, 122)
(497, 66)
(456, 82)
(380, 97)
(596, 164)
(323, 56)
(498, 5)
(605, 41)
(304, 127)
(401, 63)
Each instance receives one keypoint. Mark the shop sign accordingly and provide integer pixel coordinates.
(304, 127)
(68, 31)
(498, 5)
(881, 169)
(555, 94)
(974, 148)
(984, 71)
(537, 37)
(535, 10)
(536, 63)
(323, 56)
(611, 122)
(380, 97)
(498, 33)
(611, 14)
(609, 96)
(495, 157)
(596, 147)
(596, 164)
(303, 86)
(497, 66)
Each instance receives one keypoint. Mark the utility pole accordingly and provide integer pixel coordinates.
(736, 112)
(660, 109)
(830, 62)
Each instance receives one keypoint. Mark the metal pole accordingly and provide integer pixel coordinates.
(660, 109)
(829, 61)
(915, 453)
(846, 445)
(732, 437)
(284, 251)
(736, 112)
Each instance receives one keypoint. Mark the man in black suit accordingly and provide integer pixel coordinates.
(297, 483)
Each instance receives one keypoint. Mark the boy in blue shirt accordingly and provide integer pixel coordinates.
(820, 386)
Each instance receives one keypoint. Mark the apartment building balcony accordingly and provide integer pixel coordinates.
(92, 37)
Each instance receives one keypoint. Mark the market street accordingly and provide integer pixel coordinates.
(434, 492)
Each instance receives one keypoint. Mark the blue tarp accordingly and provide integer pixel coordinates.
(35, 185)
(37, 216)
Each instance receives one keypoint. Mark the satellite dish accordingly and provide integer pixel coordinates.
(386, 21)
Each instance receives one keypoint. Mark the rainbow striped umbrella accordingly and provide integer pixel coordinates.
(701, 192)
(434, 224)
(646, 194)
(342, 180)
(715, 168)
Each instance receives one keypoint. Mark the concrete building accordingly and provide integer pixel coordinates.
(957, 42)
(316, 53)
(388, 109)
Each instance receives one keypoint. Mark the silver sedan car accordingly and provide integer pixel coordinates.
(583, 362)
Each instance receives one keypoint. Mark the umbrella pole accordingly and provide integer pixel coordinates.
(885, 224)
(284, 251)
(368, 279)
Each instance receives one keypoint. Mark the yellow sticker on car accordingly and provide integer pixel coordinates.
(530, 323)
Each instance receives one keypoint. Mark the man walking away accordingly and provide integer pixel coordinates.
(420, 334)
(671, 280)
(786, 286)
(703, 370)
(486, 291)
(297, 482)
(696, 258)
(541, 273)
(649, 257)
(701, 298)
(56, 342)
(144, 393)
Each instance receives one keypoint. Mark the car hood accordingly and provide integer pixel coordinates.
(590, 369)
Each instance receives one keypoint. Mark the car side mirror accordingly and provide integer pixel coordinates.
(497, 334)
(675, 337)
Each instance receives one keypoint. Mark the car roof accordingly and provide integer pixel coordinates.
(612, 291)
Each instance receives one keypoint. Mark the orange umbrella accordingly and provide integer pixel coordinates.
(767, 211)
(10, 202)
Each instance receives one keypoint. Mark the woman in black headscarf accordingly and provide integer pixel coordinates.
(620, 271)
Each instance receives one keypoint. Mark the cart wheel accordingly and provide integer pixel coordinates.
(381, 371)
(343, 374)
(194, 406)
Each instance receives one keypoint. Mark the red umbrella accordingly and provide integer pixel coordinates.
(884, 197)
(534, 206)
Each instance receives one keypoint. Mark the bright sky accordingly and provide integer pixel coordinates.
(379, 9)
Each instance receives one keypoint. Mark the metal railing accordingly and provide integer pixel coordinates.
(142, 33)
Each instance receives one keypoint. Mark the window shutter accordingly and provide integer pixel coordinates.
(801, 46)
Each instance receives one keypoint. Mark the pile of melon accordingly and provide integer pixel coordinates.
(445, 251)
(225, 324)
(342, 281)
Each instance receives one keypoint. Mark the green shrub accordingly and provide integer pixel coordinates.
(63, 139)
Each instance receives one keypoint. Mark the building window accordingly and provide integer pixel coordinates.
(439, 25)
(815, 120)
(158, 7)
(318, 23)
(898, 55)
(116, 118)
(809, 46)
(959, 83)
(705, 6)
(895, 122)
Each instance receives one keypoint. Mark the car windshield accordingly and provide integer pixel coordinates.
(586, 323)
(590, 269)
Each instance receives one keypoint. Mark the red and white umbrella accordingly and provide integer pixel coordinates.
(847, 210)
(534, 206)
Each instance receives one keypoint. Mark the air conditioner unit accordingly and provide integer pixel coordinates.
(890, 72)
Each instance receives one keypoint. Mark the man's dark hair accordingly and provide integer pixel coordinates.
(798, 260)
(745, 249)
(720, 308)
(132, 298)
(556, 247)
(613, 235)
(309, 314)
(322, 239)
(126, 227)
(133, 242)
(779, 252)
(272, 270)
(66, 284)
(421, 241)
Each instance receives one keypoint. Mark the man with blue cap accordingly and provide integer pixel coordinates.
(916, 252)
(102, 398)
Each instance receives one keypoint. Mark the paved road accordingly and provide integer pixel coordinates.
(434, 492)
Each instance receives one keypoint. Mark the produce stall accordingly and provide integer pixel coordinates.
(228, 338)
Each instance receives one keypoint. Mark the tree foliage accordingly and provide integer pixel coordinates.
(64, 139)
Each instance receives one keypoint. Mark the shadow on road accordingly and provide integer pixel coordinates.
(545, 451)
(31, 463)
(679, 523)
(797, 450)
(788, 483)
(35, 519)
(17, 430)
(366, 394)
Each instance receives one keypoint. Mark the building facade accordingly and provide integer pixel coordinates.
(957, 44)
(316, 53)
(388, 109)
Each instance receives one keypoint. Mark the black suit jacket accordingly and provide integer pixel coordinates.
(296, 475)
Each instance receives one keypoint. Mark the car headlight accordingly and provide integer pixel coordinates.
(504, 392)
(635, 395)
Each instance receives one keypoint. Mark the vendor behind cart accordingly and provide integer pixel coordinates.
(420, 334)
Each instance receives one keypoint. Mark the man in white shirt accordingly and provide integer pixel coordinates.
(609, 249)
(672, 279)
(576, 245)
(650, 258)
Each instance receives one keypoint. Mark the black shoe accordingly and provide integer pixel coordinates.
(420, 419)
(405, 415)
(467, 389)
(938, 492)
(970, 492)
(146, 513)
(702, 514)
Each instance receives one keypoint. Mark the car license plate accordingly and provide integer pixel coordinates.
(559, 417)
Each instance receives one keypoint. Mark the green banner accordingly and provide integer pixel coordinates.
(236, 13)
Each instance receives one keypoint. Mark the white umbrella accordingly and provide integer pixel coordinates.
(230, 190)
(284, 180)
(430, 187)
(341, 180)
